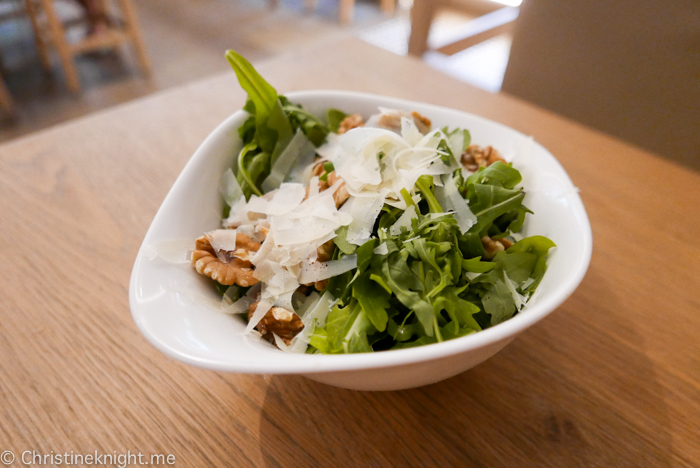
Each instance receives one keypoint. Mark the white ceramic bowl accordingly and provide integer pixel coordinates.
(172, 305)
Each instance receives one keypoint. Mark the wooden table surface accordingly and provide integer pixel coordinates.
(611, 378)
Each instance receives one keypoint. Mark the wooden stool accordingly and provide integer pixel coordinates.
(128, 30)
(345, 11)
(491, 21)
(5, 99)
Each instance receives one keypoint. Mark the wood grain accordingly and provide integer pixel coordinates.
(612, 378)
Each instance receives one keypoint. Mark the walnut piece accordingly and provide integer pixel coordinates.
(475, 157)
(229, 267)
(341, 194)
(277, 321)
(392, 121)
(350, 122)
(492, 246)
(324, 252)
(422, 122)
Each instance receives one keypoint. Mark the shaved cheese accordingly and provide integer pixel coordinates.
(230, 189)
(309, 303)
(264, 250)
(381, 249)
(471, 275)
(409, 131)
(404, 221)
(280, 343)
(283, 302)
(263, 307)
(451, 200)
(222, 240)
(298, 149)
(315, 316)
(527, 283)
(247, 229)
(172, 251)
(318, 271)
(518, 298)
(286, 199)
(313, 187)
(456, 143)
(240, 306)
(364, 212)
(281, 283)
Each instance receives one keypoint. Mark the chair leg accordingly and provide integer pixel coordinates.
(41, 44)
(133, 30)
(422, 15)
(59, 40)
(346, 11)
(5, 99)
(388, 6)
(310, 5)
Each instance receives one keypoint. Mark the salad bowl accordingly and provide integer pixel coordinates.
(178, 310)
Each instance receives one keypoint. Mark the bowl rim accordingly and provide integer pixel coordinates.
(313, 364)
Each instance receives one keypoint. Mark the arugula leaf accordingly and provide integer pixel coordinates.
(498, 173)
(345, 332)
(425, 185)
(477, 266)
(488, 202)
(538, 246)
(406, 286)
(498, 302)
(273, 131)
(341, 241)
(373, 300)
(334, 118)
(314, 128)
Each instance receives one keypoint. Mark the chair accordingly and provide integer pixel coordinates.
(627, 68)
(346, 8)
(50, 31)
(491, 20)
(6, 102)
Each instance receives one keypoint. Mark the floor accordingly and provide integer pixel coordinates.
(186, 40)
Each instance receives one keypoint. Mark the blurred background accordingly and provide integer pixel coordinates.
(628, 68)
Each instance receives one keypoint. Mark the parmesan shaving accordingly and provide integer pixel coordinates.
(451, 200)
(518, 298)
(298, 149)
(172, 251)
(404, 221)
(314, 317)
(364, 212)
(230, 189)
(381, 249)
(263, 307)
(318, 271)
(222, 240)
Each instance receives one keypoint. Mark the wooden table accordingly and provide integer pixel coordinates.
(612, 378)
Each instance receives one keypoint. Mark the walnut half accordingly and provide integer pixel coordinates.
(277, 321)
(350, 122)
(492, 247)
(233, 267)
(475, 157)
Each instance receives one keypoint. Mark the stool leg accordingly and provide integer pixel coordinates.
(388, 6)
(59, 40)
(6, 99)
(134, 32)
(310, 5)
(346, 10)
(41, 45)
(422, 15)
